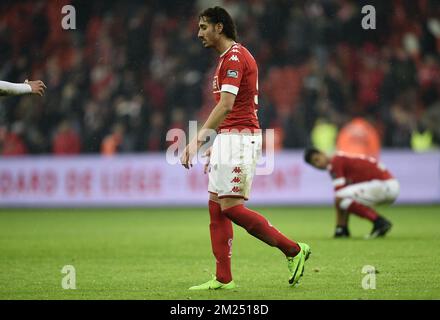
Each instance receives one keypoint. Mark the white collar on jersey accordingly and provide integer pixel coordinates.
(228, 49)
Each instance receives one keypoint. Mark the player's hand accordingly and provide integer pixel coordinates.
(37, 86)
(188, 154)
(207, 155)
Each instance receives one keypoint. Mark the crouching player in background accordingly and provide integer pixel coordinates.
(360, 183)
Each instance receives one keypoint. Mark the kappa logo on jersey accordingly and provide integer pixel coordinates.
(215, 86)
(234, 58)
(232, 74)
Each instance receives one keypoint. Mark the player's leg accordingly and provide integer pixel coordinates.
(341, 230)
(221, 232)
(360, 198)
(258, 226)
(389, 191)
(236, 173)
(392, 190)
(232, 173)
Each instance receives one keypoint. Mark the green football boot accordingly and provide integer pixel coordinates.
(296, 263)
(213, 284)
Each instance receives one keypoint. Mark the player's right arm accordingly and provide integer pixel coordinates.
(28, 87)
(215, 118)
(337, 173)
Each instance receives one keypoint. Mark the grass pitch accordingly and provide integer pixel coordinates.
(159, 253)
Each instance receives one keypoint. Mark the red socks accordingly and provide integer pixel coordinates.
(254, 223)
(362, 211)
(259, 227)
(221, 241)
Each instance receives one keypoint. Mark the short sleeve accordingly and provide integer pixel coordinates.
(231, 73)
(337, 173)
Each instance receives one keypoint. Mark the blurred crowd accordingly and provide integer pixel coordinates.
(132, 70)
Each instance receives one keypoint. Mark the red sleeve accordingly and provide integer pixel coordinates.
(337, 172)
(231, 73)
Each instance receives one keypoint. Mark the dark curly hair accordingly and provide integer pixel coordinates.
(219, 15)
(308, 153)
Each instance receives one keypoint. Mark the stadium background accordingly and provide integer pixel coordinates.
(132, 70)
(138, 67)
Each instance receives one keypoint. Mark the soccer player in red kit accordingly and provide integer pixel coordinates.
(235, 151)
(360, 182)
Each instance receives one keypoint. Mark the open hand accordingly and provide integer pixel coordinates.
(37, 86)
(188, 154)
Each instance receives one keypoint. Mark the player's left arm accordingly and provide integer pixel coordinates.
(216, 117)
(28, 87)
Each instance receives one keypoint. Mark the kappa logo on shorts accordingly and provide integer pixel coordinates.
(232, 74)
(236, 170)
(215, 86)
(236, 180)
(236, 189)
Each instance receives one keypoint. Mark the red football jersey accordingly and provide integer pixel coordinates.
(237, 73)
(347, 169)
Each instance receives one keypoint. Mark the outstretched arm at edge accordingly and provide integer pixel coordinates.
(15, 89)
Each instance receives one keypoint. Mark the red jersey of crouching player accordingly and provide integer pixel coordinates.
(237, 73)
(346, 170)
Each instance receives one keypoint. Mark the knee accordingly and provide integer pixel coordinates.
(343, 203)
(229, 213)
